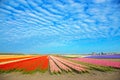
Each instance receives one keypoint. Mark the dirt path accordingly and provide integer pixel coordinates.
(94, 75)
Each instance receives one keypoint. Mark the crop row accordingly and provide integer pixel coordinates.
(31, 64)
(99, 62)
(10, 59)
(116, 56)
(59, 64)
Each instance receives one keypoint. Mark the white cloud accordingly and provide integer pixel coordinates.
(67, 21)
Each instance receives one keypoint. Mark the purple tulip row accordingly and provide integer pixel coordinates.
(117, 56)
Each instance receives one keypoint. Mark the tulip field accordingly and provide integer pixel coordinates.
(54, 64)
(26, 64)
(99, 62)
(58, 65)
(3, 59)
(114, 56)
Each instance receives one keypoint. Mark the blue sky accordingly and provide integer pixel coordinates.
(59, 26)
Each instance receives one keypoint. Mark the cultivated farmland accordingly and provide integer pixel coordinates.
(56, 65)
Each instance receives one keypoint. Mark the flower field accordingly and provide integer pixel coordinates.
(54, 64)
(99, 62)
(58, 65)
(4, 58)
(10, 59)
(27, 65)
(115, 56)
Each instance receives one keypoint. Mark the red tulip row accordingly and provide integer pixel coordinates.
(57, 64)
(99, 62)
(30, 64)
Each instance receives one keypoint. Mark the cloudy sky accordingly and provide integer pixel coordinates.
(59, 26)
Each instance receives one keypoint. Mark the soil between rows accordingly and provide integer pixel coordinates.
(93, 75)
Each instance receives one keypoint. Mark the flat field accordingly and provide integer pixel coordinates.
(49, 67)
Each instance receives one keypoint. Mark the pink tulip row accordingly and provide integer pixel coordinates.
(99, 62)
(66, 65)
(53, 66)
(72, 65)
(61, 66)
(75, 64)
